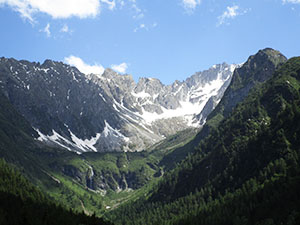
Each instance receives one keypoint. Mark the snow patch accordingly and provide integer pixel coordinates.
(192, 105)
(41, 137)
(44, 70)
(87, 144)
(142, 94)
(68, 95)
(102, 97)
(76, 143)
(155, 96)
(178, 90)
(109, 131)
(73, 77)
(55, 138)
(232, 67)
(114, 106)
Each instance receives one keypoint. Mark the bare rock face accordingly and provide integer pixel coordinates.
(108, 112)
(257, 69)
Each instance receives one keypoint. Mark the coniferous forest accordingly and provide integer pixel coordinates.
(242, 167)
(245, 172)
(23, 203)
(138, 112)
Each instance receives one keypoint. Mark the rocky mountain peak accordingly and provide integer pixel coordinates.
(108, 112)
(257, 69)
(109, 73)
(212, 73)
(122, 81)
(149, 85)
(49, 63)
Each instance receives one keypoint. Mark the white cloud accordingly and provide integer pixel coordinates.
(65, 29)
(120, 68)
(111, 4)
(138, 16)
(230, 13)
(291, 1)
(82, 66)
(55, 8)
(63, 9)
(141, 26)
(138, 11)
(136, 8)
(190, 5)
(47, 30)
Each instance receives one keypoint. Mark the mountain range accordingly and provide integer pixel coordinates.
(108, 112)
(246, 169)
(221, 147)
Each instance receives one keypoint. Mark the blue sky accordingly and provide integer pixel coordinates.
(166, 39)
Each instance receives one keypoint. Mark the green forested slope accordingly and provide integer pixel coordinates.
(245, 172)
(64, 175)
(255, 71)
(22, 203)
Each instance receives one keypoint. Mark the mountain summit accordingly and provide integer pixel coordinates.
(258, 68)
(108, 112)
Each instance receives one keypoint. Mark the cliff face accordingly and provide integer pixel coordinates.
(108, 112)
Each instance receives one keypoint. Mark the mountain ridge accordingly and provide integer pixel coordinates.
(251, 156)
(108, 112)
(263, 63)
(245, 172)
